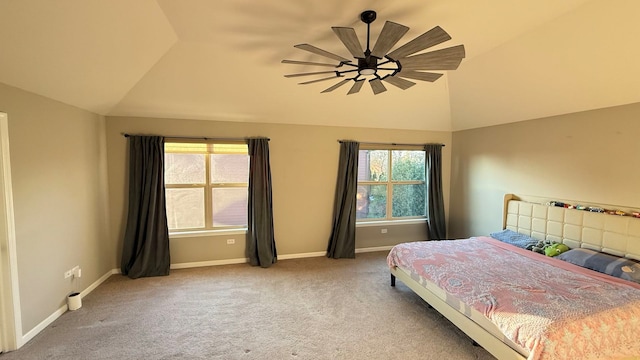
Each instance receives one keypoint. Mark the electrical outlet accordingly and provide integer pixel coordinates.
(75, 271)
(231, 241)
(383, 231)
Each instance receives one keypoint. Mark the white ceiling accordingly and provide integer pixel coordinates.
(220, 59)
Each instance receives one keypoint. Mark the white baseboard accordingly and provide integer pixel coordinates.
(242, 260)
(302, 255)
(324, 253)
(209, 263)
(56, 314)
(46, 322)
(280, 257)
(97, 283)
(374, 249)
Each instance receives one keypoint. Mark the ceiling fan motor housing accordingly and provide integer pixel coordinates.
(368, 65)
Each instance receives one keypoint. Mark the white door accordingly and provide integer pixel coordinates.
(10, 322)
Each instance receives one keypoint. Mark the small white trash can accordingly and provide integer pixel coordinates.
(74, 301)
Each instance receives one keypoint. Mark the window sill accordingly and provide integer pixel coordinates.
(390, 222)
(203, 233)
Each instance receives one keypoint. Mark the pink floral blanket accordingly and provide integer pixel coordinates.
(554, 309)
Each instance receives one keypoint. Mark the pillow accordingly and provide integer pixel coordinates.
(623, 268)
(514, 238)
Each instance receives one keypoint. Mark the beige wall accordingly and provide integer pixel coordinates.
(590, 156)
(304, 163)
(58, 159)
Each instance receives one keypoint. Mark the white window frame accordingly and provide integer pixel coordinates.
(208, 187)
(389, 219)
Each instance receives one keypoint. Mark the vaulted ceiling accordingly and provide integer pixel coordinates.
(220, 60)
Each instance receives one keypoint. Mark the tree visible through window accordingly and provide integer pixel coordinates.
(206, 186)
(391, 184)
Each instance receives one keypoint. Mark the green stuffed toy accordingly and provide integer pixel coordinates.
(548, 247)
(555, 249)
(540, 246)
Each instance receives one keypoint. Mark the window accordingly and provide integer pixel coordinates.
(206, 186)
(391, 184)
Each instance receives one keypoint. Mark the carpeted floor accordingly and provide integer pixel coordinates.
(314, 308)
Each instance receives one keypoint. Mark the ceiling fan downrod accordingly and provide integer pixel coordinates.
(367, 17)
(369, 64)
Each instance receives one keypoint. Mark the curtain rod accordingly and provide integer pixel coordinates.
(393, 144)
(198, 138)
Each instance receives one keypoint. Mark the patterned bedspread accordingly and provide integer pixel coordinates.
(554, 309)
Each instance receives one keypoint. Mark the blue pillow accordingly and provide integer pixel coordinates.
(621, 267)
(514, 238)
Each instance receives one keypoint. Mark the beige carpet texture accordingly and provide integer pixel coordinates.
(312, 308)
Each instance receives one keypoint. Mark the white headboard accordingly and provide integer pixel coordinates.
(613, 234)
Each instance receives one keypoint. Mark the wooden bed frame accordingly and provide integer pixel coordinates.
(533, 216)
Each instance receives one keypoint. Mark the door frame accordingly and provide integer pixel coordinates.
(10, 315)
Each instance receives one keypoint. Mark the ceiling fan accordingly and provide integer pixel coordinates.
(377, 65)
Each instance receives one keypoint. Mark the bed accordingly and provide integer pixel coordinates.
(519, 304)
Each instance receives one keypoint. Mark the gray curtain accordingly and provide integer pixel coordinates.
(436, 224)
(342, 243)
(261, 244)
(146, 240)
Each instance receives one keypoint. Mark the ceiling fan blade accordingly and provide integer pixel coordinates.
(356, 87)
(336, 86)
(350, 40)
(445, 59)
(376, 86)
(431, 38)
(309, 73)
(399, 82)
(391, 33)
(317, 80)
(419, 75)
(308, 63)
(318, 51)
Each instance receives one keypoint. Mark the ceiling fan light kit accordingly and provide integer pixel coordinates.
(379, 64)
